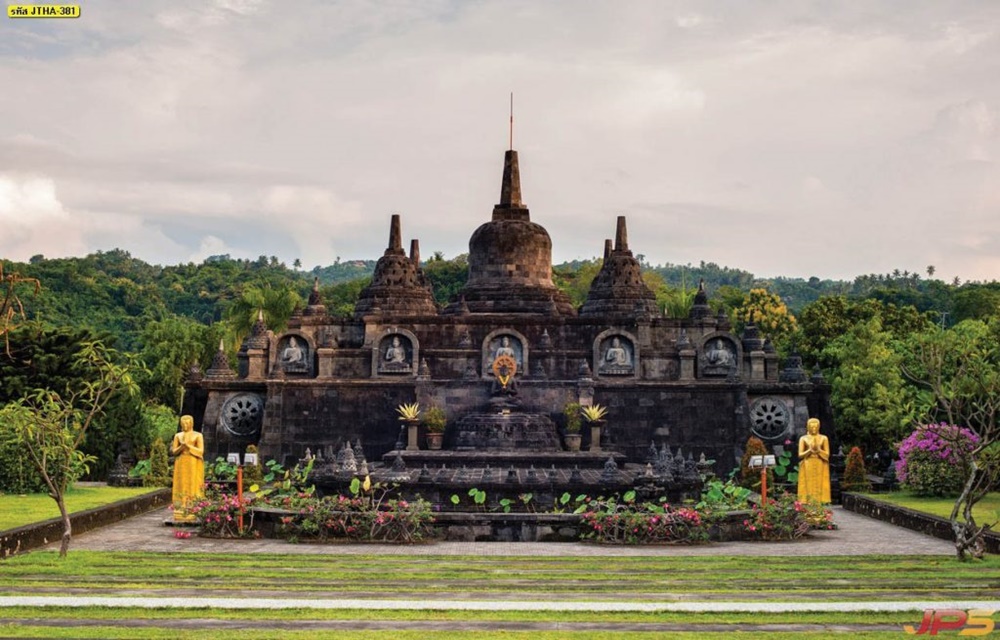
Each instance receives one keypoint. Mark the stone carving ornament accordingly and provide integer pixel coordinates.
(242, 415)
(616, 358)
(769, 418)
(295, 355)
(718, 358)
(396, 355)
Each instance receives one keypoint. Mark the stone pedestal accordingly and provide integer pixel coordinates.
(687, 364)
(325, 357)
(411, 437)
(595, 437)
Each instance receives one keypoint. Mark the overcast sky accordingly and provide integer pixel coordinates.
(785, 138)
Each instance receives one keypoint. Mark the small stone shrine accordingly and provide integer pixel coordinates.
(503, 359)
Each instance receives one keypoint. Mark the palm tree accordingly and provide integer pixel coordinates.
(277, 306)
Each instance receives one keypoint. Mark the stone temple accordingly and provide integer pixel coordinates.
(328, 384)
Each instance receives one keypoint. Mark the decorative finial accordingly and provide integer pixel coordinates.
(607, 248)
(395, 235)
(415, 252)
(621, 235)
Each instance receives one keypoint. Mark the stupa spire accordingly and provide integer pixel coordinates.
(395, 235)
(415, 252)
(607, 248)
(510, 188)
(621, 235)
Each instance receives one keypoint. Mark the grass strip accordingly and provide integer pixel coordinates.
(20, 509)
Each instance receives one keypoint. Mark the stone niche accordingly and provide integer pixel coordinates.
(294, 355)
(395, 353)
(615, 355)
(720, 356)
(506, 342)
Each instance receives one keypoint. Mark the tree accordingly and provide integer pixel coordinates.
(11, 307)
(277, 303)
(958, 373)
(770, 315)
(51, 427)
(868, 389)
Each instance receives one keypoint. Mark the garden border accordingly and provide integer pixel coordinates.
(910, 519)
(39, 534)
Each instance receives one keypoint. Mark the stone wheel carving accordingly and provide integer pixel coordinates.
(769, 418)
(242, 414)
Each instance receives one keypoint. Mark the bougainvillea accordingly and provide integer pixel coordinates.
(934, 459)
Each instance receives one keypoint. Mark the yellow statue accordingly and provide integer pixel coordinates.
(814, 464)
(189, 469)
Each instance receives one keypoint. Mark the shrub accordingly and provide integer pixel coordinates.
(435, 420)
(218, 515)
(613, 522)
(19, 474)
(750, 478)
(784, 518)
(855, 475)
(934, 459)
(573, 418)
(159, 466)
(359, 517)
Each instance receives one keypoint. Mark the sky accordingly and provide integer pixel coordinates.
(791, 137)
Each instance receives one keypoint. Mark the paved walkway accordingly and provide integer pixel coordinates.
(857, 535)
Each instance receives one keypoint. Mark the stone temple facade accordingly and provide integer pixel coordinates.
(327, 380)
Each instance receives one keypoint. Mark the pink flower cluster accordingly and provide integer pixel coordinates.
(946, 442)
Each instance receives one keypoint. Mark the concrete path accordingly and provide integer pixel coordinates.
(369, 604)
(857, 535)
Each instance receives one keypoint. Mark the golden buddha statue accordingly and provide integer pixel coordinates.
(189, 469)
(814, 464)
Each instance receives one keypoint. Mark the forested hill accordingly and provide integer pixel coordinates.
(115, 293)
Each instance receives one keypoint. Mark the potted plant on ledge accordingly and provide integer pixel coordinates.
(409, 414)
(594, 415)
(435, 421)
(572, 414)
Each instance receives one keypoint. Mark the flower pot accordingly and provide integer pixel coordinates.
(572, 441)
(434, 441)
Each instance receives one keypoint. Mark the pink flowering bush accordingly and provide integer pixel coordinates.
(359, 517)
(784, 518)
(218, 515)
(934, 459)
(613, 522)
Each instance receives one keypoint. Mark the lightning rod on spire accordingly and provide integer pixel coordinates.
(511, 140)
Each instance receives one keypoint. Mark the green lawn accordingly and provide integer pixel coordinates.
(17, 510)
(659, 579)
(987, 510)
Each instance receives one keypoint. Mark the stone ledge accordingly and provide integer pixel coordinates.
(38, 534)
(910, 519)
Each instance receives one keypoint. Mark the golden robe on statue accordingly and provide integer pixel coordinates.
(189, 469)
(814, 465)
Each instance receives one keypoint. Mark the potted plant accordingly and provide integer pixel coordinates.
(409, 414)
(594, 415)
(435, 421)
(573, 422)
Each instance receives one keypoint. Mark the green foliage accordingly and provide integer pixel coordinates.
(721, 496)
(159, 466)
(571, 412)
(376, 517)
(855, 475)
(611, 521)
(783, 518)
(252, 473)
(340, 298)
(928, 475)
(574, 279)
(19, 473)
(276, 302)
(784, 468)
(169, 348)
(220, 470)
(873, 405)
(435, 420)
(447, 277)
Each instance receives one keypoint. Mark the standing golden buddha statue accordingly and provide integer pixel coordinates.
(814, 465)
(189, 469)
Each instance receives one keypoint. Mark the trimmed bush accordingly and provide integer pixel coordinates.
(855, 475)
(159, 466)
